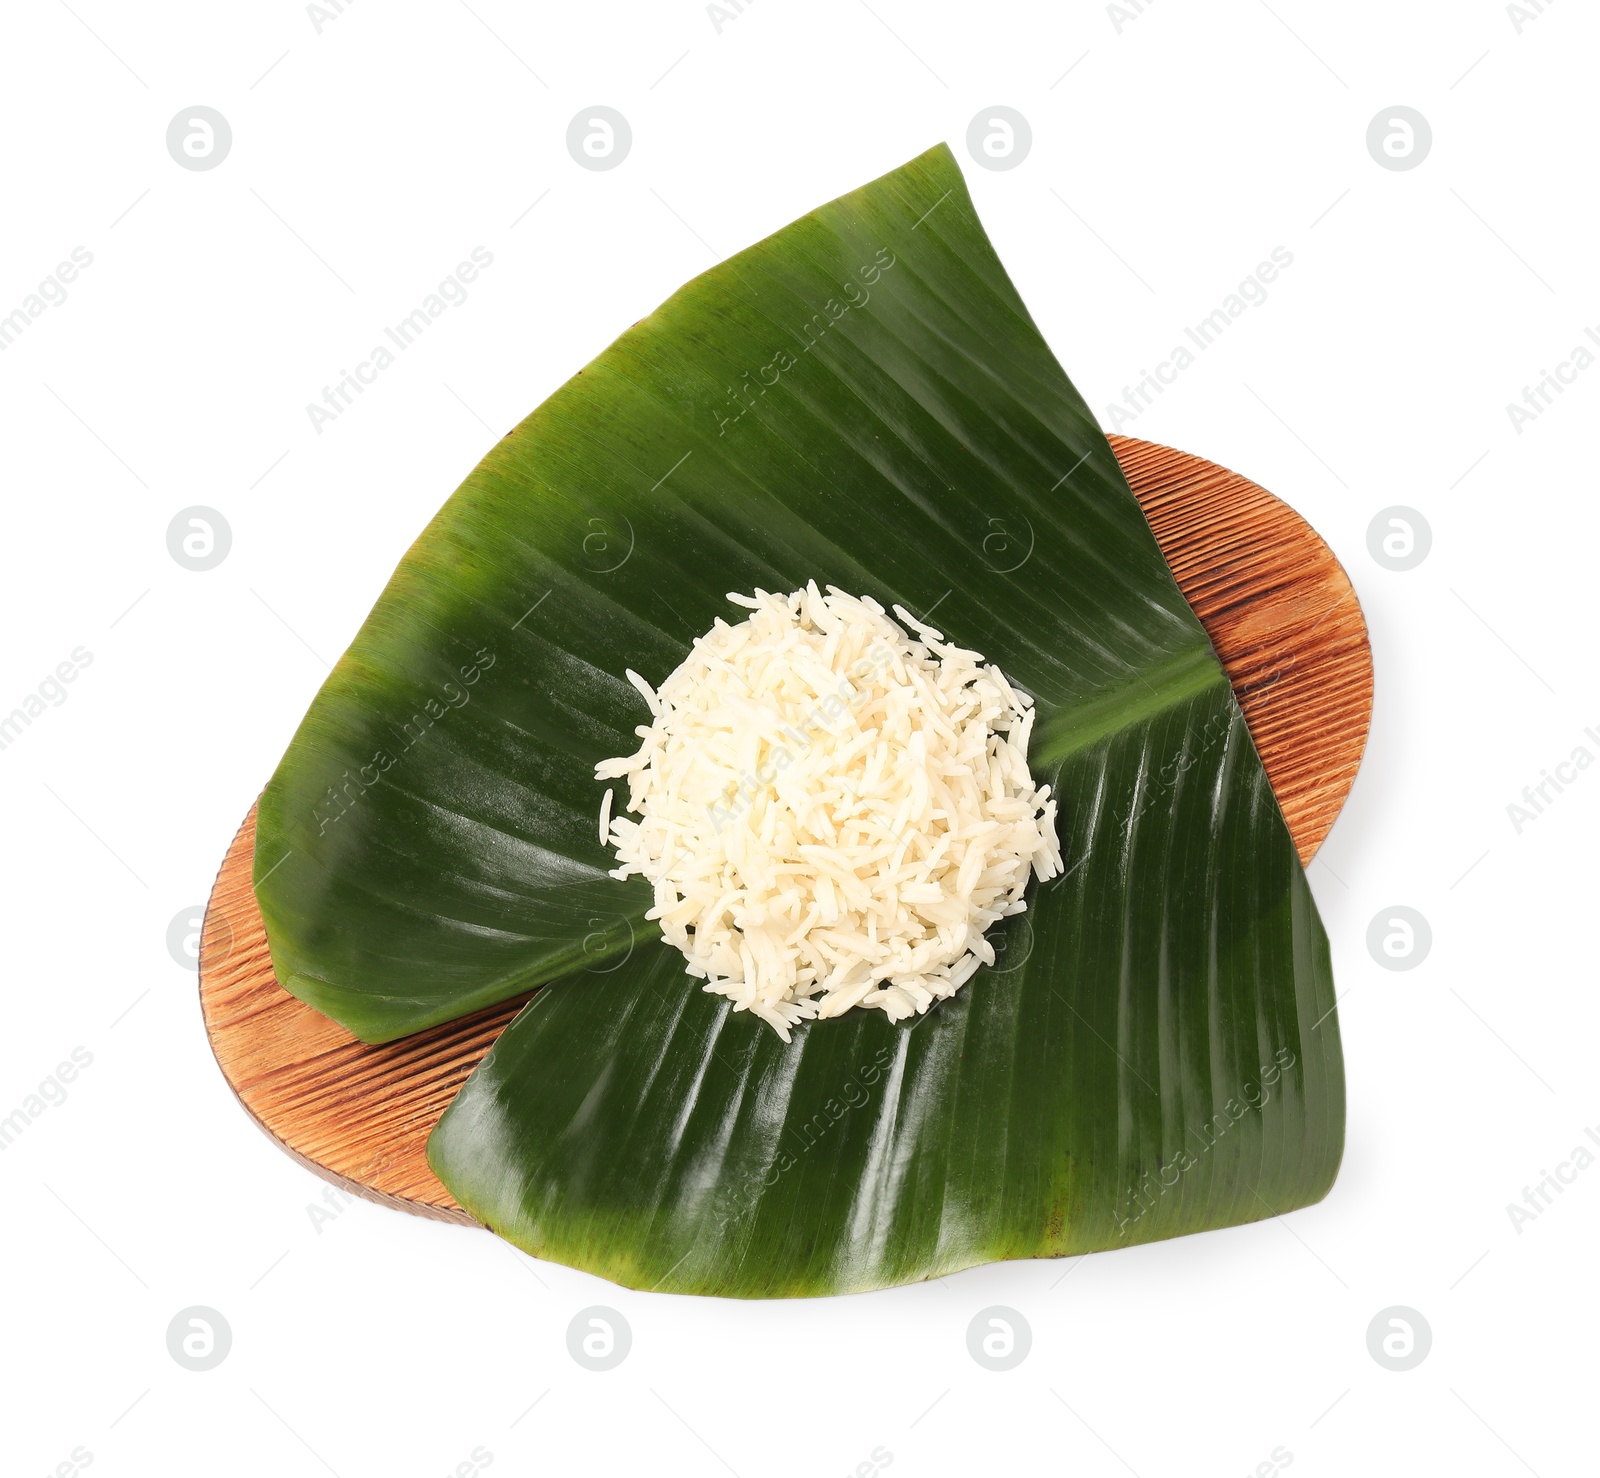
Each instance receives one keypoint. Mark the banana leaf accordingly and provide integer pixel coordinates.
(861, 399)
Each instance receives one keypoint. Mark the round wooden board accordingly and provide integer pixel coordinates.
(1283, 618)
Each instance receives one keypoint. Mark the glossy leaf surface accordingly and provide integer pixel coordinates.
(861, 399)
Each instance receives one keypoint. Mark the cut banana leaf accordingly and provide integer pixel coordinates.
(863, 400)
(1144, 1061)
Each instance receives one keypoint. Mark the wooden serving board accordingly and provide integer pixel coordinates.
(1280, 612)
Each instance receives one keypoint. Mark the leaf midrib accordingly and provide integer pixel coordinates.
(1076, 726)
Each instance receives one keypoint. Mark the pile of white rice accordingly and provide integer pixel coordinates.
(831, 812)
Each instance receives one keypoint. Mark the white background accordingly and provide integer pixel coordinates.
(1169, 157)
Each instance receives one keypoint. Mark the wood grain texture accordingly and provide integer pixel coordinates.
(1282, 615)
(1280, 612)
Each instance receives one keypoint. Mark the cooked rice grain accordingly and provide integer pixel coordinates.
(832, 812)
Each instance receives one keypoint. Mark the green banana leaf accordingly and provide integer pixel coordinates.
(862, 399)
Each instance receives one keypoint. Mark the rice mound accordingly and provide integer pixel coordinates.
(832, 812)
